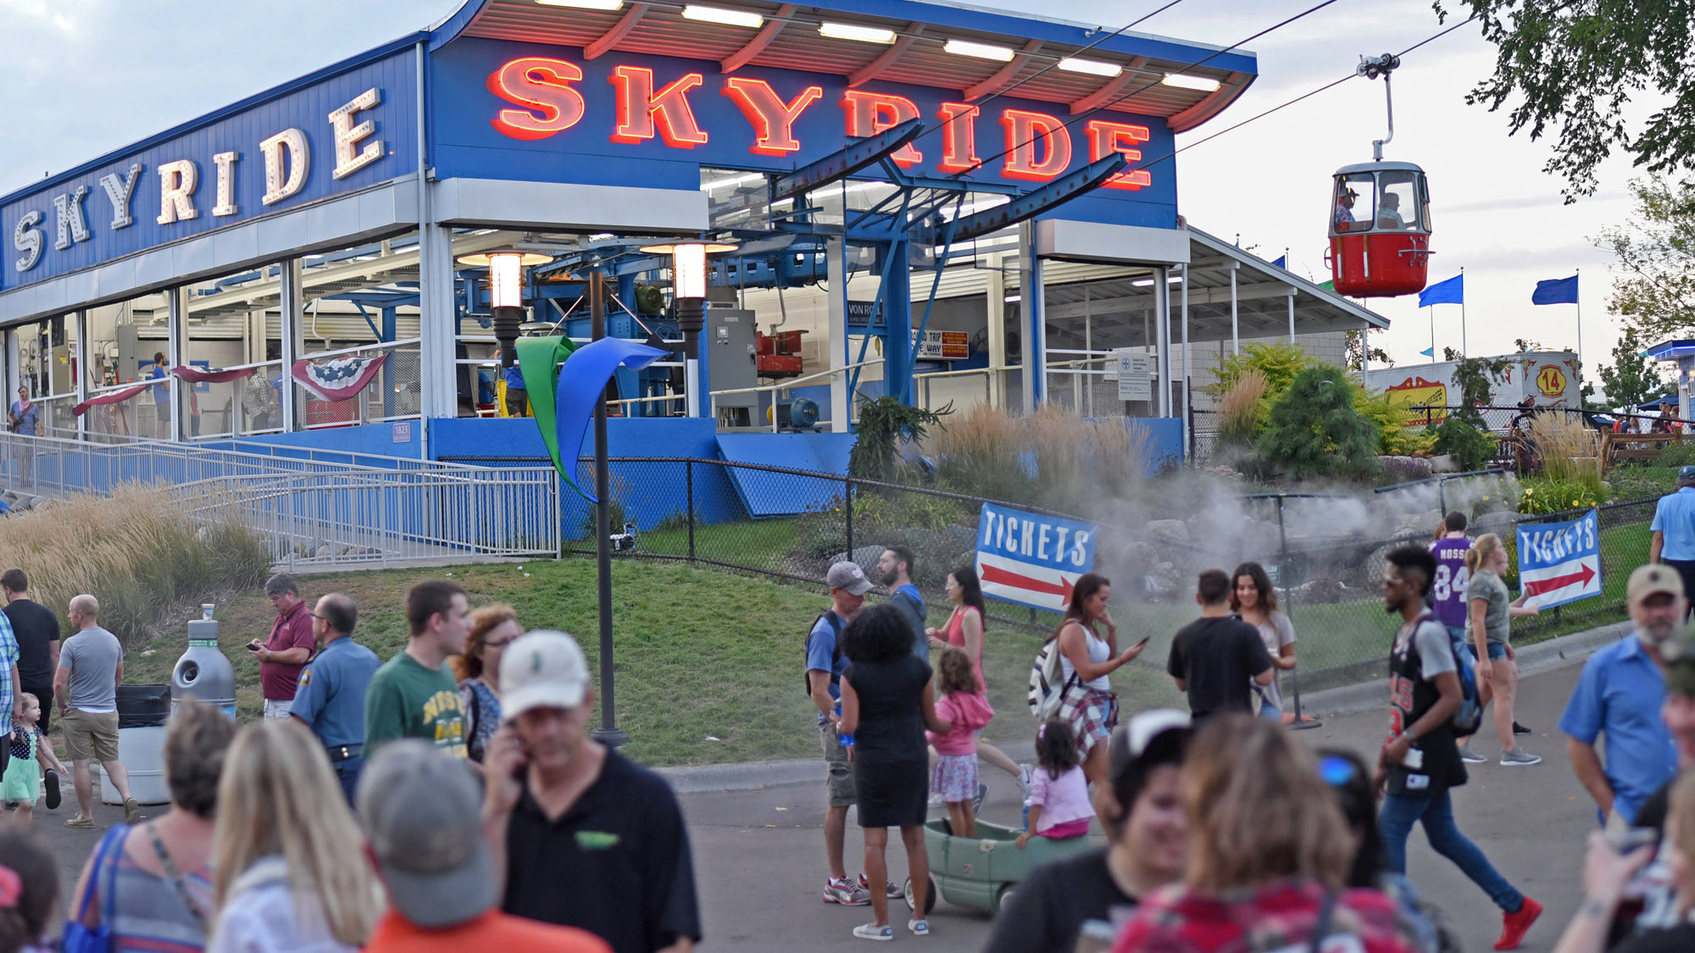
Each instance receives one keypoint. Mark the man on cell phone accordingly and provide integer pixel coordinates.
(289, 647)
(584, 837)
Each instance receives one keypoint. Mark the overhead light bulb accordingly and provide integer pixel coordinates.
(982, 51)
(1075, 64)
(602, 5)
(695, 11)
(1198, 83)
(853, 31)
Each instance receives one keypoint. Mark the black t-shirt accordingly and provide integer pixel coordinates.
(616, 864)
(1422, 652)
(1047, 909)
(35, 626)
(1217, 659)
(1678, 939)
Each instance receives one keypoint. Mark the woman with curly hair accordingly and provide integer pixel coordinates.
(493, 627)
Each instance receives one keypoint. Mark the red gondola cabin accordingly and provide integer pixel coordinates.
(1379, 229)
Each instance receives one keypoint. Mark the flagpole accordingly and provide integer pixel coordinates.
(1464, 352)
(1432, 335)
(1577, 299)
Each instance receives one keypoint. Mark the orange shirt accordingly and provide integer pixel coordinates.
(491, 931)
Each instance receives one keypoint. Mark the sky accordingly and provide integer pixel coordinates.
(84, 77)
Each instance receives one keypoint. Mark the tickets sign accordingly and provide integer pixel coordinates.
(1560, 562)
(1032, 559)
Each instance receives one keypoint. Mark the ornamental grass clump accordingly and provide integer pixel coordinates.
(140, 551)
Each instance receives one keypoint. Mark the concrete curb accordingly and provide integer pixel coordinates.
(752, 775)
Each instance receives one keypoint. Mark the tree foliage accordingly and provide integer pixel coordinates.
(1315, 429)
(1632, 378)
(1655, 256)
(1573, 65)
(1464, 435)
(1355, 343)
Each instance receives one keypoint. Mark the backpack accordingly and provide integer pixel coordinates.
(1047, 681)
(836, 656)
(1468, 717)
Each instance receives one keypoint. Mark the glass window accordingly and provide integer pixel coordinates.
(1397, 202)
(1354, 202)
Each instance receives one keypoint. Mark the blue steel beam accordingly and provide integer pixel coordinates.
(839, 165)
(1036, 201)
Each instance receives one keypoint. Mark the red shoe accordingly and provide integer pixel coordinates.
(1515, 925)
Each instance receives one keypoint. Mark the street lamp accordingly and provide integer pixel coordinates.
(688, 300)
(506, 293)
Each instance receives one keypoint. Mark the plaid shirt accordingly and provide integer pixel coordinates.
(8, 664)
(1280, 916)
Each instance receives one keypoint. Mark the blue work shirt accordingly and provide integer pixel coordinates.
(331, 695)
(514, 378)
(161, 391)
(910, 602)
(1619, 695)
(1674, 516)
(822, 655)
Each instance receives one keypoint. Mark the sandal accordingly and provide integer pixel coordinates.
(919, 927)
(871, 931)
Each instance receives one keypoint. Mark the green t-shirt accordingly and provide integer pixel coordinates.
(1488, 587)
(407, 700)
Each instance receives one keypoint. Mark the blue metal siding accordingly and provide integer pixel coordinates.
(305, 107)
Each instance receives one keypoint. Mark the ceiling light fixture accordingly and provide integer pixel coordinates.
(853, 31)
(1075, 64)
(1201, 84)
(982, 51)
(695, 11)
(602, 5)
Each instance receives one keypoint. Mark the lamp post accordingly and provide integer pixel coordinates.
(688, 302)
(506, 294)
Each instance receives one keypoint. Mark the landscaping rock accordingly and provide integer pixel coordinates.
(865, 556)
(1174, 531)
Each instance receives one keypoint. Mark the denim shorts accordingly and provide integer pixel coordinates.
(1497, 651)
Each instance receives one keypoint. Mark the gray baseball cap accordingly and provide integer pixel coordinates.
(846, 575)
(422, 813)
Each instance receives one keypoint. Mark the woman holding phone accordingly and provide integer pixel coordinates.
(1086, 659)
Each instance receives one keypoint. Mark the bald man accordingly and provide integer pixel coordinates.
(91, 667)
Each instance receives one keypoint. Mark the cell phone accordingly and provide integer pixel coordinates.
(1143, 641)
(1414, 759)
(252, 645)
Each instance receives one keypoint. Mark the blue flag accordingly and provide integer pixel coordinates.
(1555, 291)
(1429, 352)
(1282, 262)
(1451, 291)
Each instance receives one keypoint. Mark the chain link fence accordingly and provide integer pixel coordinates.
(1324, 552)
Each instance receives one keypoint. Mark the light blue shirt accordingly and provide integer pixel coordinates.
(1619, 695)
(330, 698)
(1675, 517)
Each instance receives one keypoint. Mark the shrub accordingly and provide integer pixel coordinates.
(885, 423)
(1315, 429)
(980, 452)
(1543, 495)
(1241, 411)
(1471, 448)
(1570, 451)
(1393, 434)
(1279, 363)
(1675, 455)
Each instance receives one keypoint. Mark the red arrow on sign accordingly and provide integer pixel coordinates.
(1004, 577)
(1581, 577)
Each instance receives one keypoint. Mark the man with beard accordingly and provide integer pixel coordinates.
(894, 570)
(1420, 762)
(1619, 695)
(584, 837)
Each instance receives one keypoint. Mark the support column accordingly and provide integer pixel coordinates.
(80, 319)
(837, 353)
(290, 332)
(176, 326)
(1188, 412)
(1035, 324)
(1162, 314)
(1292, 315)
(995, 289)
(897, 324)
(1235, 339)
(438, 394)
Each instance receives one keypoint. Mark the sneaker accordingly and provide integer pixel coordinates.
(894, 892)
(1515, 925)
(1024, 777)
(871, 931)
(132, 811)
(80, 822)
(1520, 756)
(977, 799)
(1519, 729)
(1469, 756)
(936, 800)
(844, 892)
(919, 927)
(52, 780)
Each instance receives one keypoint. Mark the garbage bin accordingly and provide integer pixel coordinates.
(142, 711)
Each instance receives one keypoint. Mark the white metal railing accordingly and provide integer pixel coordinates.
(772, 389)
(315, 507)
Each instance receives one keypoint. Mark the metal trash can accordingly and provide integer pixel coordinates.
(203, 673)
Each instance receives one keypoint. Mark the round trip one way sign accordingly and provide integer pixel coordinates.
(1560, 562)
(1030, 558)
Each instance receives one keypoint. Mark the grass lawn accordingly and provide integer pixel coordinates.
(709, 662)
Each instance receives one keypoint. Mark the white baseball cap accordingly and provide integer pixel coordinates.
(542, 669)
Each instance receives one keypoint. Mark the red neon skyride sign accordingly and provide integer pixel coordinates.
(546, 98)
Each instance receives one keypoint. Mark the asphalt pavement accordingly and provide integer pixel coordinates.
(759, 856)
